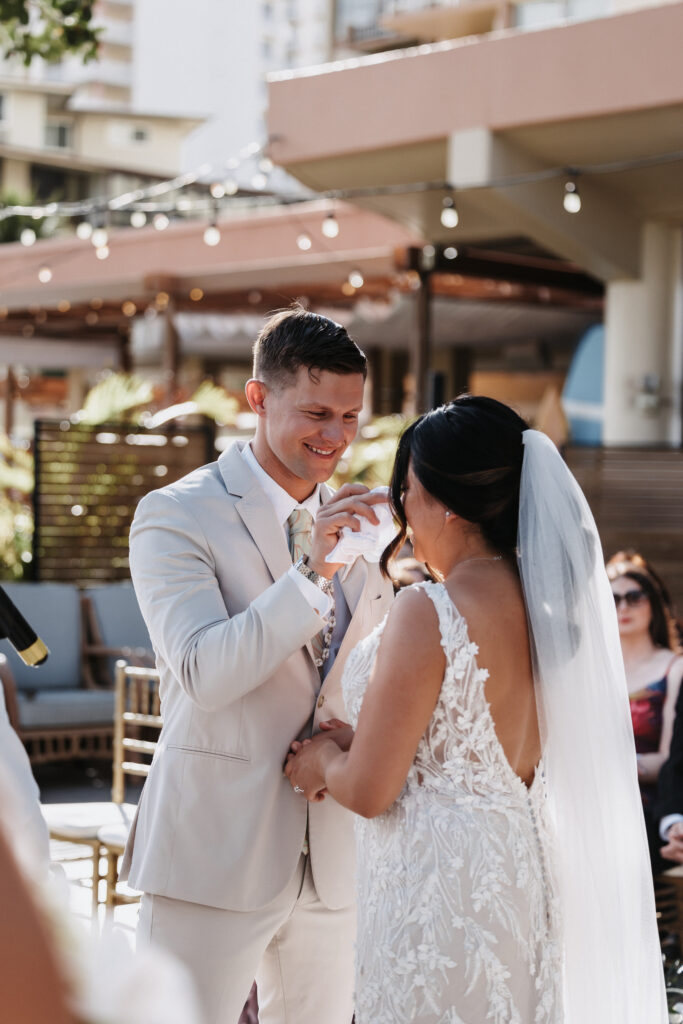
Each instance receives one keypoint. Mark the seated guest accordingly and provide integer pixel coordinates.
(654, 668)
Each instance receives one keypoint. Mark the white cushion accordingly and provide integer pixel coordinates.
(114, 836)
(83, 821)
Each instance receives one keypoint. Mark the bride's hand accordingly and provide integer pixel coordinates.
(340, 732)
(304, 769)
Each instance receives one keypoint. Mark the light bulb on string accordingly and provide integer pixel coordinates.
(138, 219)
(217, 190)
(212, 235)
(230, 187)
(45, 274)
(449, 213)
(330, 226)
(304, 241)
(102, 252)
(571, 199)
(265, 165)
(450, 252)
(160, 221)
(27, 236)
(84, 230)
(356, 279)
(259, 182)
(99, 237)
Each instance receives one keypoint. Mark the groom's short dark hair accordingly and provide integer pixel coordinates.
(296, 337)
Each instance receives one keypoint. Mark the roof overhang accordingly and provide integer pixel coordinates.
(480, 110)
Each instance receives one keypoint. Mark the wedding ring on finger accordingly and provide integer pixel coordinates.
(298, 789)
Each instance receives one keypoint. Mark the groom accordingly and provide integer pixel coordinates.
(241, 877)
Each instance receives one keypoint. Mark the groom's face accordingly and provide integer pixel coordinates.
(306, 426)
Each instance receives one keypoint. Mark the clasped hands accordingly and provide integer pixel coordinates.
(306, 760)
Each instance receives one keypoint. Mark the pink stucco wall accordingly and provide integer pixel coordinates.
(605, 66)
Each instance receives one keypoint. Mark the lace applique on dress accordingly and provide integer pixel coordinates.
(457, 915)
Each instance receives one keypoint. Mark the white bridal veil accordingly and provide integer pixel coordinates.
(613, 972)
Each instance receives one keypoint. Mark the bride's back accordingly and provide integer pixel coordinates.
(489, 596)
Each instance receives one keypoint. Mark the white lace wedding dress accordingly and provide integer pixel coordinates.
(457, 918)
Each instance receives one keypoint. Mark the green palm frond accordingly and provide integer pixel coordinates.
(214, 401)
(113, 397)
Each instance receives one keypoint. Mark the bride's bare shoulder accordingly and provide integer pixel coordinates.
(413, 611)
(483, 597)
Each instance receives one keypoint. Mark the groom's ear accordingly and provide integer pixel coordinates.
(256, 391)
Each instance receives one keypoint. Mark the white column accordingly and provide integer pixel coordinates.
(644, 345)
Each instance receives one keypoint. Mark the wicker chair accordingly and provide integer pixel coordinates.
(56, 710)
(115, 628)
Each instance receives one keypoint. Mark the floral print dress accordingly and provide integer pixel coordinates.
(457, 916)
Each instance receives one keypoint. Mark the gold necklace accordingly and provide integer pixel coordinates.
(479, 558)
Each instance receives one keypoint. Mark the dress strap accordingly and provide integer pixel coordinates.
(671, 665)
(447, 613)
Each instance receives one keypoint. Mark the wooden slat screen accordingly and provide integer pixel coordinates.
(636, 496)
(88, 484)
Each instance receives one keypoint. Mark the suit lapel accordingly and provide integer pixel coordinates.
(257, 514)
(255, 511)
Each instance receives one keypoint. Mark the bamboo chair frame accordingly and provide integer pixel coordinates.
(137, 707)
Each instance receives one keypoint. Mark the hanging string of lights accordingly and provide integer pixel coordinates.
(158, 203)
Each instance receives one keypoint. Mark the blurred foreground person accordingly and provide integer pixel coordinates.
(654, 669)
(503, 872)
(53, 971)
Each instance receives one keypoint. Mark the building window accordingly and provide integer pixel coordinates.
(140, 135)
(58, 134)
(267, 9)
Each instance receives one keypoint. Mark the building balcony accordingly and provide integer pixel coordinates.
(105, 72)
(116, 31)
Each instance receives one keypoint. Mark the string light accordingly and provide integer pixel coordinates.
(27, 236)
(571, 199)
(138, 219)
(231, 187)
(212, 235)
(102, 252)
(84, 230)
(356, 279)
(330, 226)
(99, 238)
(217, 190)
(129, 308)
(45, 274)
(449, 214)
(160, 221)
(265, 165)
(259, 182)
(196, 294)
(304, 241)
(450, 252)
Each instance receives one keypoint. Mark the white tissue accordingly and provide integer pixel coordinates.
(371, 540)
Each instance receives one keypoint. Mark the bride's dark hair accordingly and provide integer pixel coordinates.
(467, 455)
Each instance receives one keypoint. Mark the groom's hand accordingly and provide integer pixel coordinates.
(346, 507)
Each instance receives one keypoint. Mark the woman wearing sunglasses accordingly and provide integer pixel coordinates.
(653, 663)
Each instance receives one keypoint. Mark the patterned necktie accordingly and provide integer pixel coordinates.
(300, 523)
(300, 526)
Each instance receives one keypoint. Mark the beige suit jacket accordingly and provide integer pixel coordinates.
(218, 823)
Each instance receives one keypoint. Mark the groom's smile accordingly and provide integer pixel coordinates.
(305, 426)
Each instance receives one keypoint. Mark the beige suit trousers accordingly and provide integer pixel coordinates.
(299, 951)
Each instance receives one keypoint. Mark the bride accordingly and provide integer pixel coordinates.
(502, 864)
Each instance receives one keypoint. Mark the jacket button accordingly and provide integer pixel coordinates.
(321, 700)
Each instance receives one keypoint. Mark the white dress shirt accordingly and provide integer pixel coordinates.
(284, 504)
